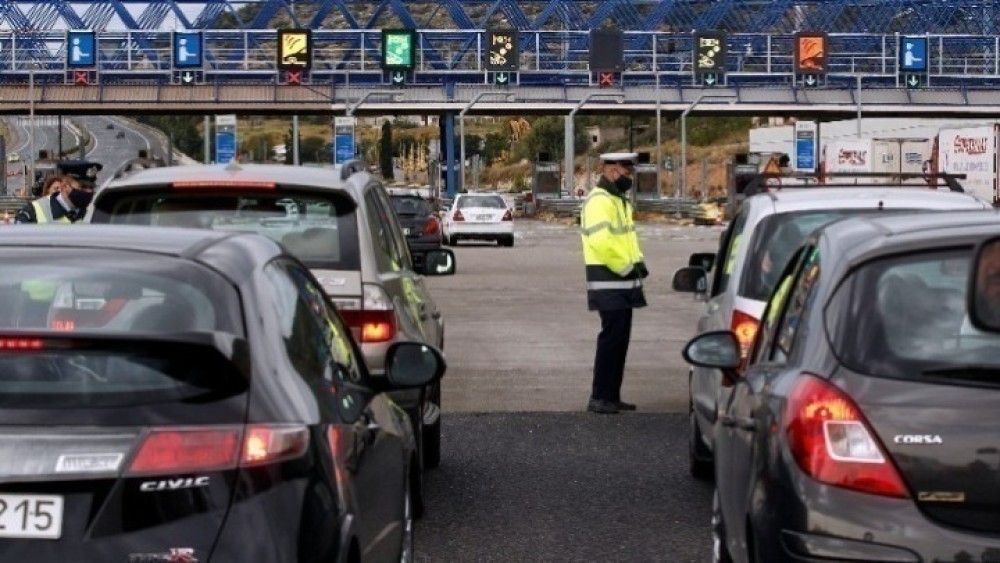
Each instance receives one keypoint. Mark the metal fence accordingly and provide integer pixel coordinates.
(458, 55)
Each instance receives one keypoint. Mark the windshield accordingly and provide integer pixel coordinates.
(119, 294)
(776, 238)
(113, 292)
(321, 231)
(483, 202)
(408, 205)
(904, 316)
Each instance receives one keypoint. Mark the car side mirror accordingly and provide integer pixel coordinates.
(704, 260)
(439, 262)
(691, 279)
(718, 349)
(983, 300)
(413, 365)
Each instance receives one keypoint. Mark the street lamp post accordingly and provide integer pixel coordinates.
(461, 124)
(31, 122)
(569, 134)
(684, 114)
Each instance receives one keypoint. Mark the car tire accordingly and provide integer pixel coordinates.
(720, 554)
(432, 433)
(701, 463)
(507, 241)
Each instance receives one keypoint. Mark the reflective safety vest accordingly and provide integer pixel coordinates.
(611, 252)
(43, 212)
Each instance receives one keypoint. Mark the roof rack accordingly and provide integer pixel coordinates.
(949, 180)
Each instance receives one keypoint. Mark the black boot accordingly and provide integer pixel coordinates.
(601, 406)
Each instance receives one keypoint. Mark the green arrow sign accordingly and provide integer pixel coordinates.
(710, 79)
(913, 81)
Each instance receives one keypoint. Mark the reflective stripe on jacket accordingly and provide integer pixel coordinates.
(611, 253)
(43, 212)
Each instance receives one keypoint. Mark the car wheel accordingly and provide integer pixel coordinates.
(406, 549)
(700, 460)
(720, 554)
(432, 432)
(507, 241)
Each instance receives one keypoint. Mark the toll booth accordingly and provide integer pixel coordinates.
(546, 181)
(645, 178)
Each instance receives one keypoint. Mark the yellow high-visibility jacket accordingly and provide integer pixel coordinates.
(614, 261)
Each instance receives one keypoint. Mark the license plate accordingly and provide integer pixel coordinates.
(484, 218)
(31, 516)
(406, 232)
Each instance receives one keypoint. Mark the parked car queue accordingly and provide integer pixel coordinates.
(187, 375)
(850, 416)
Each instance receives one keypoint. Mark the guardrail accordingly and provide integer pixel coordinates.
(342, 56)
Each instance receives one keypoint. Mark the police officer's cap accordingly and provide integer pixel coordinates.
(83, 170)
(629, 158)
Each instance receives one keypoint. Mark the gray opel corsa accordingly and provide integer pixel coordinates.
(338, 222)
(867, 427)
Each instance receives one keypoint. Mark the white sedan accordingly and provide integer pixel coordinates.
(479, 217)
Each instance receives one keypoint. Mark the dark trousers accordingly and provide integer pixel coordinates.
(612, 347)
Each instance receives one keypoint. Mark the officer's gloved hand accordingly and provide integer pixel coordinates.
(643, 272)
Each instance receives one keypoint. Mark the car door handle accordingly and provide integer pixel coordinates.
(740, 423)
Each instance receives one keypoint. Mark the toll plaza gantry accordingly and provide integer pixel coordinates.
(805, 57)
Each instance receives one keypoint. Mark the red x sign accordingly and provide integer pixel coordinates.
(81, 77)
(605, 79)
(293, 77)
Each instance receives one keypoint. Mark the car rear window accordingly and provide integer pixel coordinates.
(72, 323)
(483, 202)
(774, 241)
(319, 230)
(413, 206)
(906, 315)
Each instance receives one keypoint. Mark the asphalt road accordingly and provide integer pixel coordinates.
(527, 476)
(564, 487)
(519, 337)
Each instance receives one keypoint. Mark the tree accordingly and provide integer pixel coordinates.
(314, 149)
(385, 151)
(546, 136)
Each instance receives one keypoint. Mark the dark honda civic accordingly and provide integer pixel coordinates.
(867, 427)
(173, 395)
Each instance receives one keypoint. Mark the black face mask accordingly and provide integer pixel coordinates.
(623, 183)
(80, 198)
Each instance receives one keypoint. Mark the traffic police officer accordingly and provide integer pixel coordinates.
(66, 204)
(615, 270)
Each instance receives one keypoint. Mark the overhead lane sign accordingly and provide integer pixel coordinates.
(502, 55)
(607, 56)
(811, 55)
(913, 60)
(398, 54)
(187, 50)
(81, 49)
(294, 49)
(710, 57)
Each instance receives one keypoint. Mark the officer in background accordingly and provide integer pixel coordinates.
(615, 270)
(66, 203)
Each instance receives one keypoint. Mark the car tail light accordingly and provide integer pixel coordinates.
(21, 344)
(745, 328)
(832, 442)
(431, 226)
(264, 444)
(184, 450)
(187, 450)
(458, 216)
(508, 216)
(376, 320)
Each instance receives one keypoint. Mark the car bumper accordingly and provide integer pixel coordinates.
(488, 230)
(825, 522)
